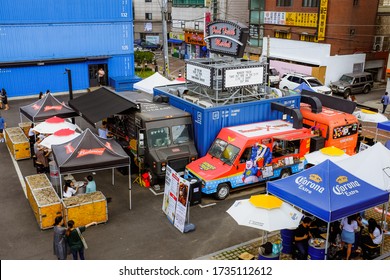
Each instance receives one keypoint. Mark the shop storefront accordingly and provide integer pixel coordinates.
(177, 45)
(196, 46)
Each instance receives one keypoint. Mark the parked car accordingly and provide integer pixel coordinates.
(352, 83)
(293, 80)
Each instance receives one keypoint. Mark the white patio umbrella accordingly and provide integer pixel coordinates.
(332, 153)
(369, 116)
(54, 124)
(59, 137)
(246, 214)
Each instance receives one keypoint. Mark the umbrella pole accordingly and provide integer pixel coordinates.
(326, 241)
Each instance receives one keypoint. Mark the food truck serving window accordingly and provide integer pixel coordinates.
(345, 130)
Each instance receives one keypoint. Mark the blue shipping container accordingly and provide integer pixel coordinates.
(43, 42)
(64, 11)
(209, 121)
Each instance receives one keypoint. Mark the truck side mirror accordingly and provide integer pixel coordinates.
(141, 143)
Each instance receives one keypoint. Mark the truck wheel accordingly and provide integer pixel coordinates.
(366, 89)
(347, 93)
(285, 173)
(223, 191)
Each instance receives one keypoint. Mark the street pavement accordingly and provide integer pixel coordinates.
(142, 233)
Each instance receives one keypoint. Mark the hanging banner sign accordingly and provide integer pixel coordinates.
(322, 20)
(227, 38)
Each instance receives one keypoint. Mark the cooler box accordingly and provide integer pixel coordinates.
(43, 199)
(86, 208)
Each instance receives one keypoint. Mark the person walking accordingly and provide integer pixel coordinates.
(59, 241)
(385, 101)
(75, 239)
(101, 75)
(3, 125)
(4, 99)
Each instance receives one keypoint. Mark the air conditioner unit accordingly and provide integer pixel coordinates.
(205, 104)
(377, 47)
(191, 98)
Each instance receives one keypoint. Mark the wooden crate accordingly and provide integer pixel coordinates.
(46, 206)
(34, 182)
(18, 144)
(25, 127)
(86, 208)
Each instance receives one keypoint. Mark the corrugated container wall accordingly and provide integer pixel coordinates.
(64, 11)
(40, 42)
(208, 122)
(40, 38)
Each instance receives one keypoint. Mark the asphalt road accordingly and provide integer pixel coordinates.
(137, 234)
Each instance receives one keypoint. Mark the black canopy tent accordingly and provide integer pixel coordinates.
(88, 152)
(45, 108)
(100, 104)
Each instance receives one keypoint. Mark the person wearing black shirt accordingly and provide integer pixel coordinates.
(301, 237)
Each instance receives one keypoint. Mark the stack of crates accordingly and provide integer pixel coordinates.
(43, 199)
(18, 143)
(25, 126)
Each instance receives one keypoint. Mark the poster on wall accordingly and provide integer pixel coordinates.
(172, 180)
(181, 205)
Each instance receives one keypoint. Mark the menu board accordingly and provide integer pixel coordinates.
(171, 190)
(181, 205)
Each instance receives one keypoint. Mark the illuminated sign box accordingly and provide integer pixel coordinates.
(227, 38)
(243, 77)
(199, 74)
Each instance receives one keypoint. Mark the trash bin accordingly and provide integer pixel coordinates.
(54, 174)
(195, 196)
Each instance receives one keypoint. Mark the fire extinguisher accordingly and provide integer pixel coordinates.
(146, 179)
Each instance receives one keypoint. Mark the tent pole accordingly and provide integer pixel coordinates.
(129, 188)
(326, 241)
(60, 186)
(383, 221)
(113, 179)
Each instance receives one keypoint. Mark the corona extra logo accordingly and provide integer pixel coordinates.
(231, 139)
(315, 177)
(206, 166)
(85, 152)
(342, 179)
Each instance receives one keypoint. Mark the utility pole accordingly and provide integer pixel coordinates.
(165, 40)
(215, 10)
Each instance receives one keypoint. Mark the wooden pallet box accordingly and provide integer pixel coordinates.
(25, 127)
(43, 199)
(86, 208)
(18, 143)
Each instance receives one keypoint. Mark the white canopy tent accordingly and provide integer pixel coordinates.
(371, 165)
(156, 80)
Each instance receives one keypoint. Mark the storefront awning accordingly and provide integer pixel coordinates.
(281, 29)
(175, 41)
(99, 104)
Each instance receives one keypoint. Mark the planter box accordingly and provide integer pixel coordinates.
(17, 143)
(86, 208)
(43, 199)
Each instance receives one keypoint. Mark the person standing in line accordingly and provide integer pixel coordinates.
(31, 138)
(4, 99)
(103, 131)
(59, 241)
(101, 75)
(386, 101)
(74, 240)
(3, 125)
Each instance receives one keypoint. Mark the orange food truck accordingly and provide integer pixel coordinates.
(247, 154)
(339, 129)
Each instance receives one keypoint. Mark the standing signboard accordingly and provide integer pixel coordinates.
(181, 206)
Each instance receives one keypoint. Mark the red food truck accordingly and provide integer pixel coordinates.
(248, 154)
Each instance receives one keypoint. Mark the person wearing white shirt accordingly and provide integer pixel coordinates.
(69, 190)
(349, 226)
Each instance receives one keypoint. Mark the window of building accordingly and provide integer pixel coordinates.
(386, 3)
(282, 35)
(198, 3)
(148, 0)
(310, 3)
(355, 2)
(284, 3)
(148, 16)
(308, 38)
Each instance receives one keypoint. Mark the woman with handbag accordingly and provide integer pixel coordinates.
(76, 240)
